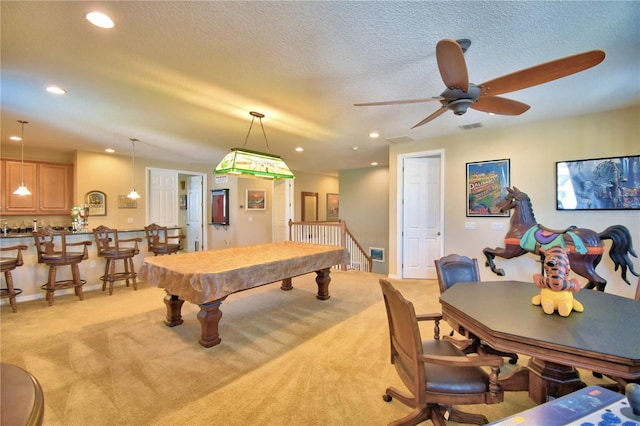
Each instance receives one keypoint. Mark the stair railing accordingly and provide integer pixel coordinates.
(332, 233)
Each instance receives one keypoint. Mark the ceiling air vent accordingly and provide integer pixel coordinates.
(470, 126)
(399, 139)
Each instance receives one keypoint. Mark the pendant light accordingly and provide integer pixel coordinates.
(241, 161)
(22, 189)
(133, 194)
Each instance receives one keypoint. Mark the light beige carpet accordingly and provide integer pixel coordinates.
(286, 358)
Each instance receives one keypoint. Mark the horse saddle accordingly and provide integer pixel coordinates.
(547, 237)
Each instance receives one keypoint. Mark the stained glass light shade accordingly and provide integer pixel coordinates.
(242, 161)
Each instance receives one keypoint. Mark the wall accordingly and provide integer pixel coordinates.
(533, 150)
(323, 185)
(364, 205)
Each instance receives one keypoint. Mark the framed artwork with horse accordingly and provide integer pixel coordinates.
(599, 184)
(585, 247)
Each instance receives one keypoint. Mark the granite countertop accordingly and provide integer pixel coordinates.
(88, 232)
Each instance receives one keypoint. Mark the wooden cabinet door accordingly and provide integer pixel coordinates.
(54, 188)
(12, 178)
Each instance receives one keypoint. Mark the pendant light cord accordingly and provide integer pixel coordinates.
(133, 164)
(22, 122)
(259, 115)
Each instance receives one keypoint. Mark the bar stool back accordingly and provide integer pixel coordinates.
(53, 250)
(8, 264)
(109, 247)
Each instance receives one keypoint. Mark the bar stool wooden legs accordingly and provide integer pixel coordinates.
(52, 247)
(8, 264)
(109, 247)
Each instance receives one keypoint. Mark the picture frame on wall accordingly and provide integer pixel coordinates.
(125, 202)
(97, 202)
(486, 185)
(610, 183)
(255, 199)
(377, 254)
(333, 206)
(183, 202)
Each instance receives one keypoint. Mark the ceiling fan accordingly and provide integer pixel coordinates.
(460, 94)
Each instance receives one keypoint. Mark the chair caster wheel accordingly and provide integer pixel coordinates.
(387, 398)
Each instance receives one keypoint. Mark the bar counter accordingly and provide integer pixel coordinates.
(30, 276)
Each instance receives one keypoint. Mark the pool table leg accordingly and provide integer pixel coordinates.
(174, 308)
(323, 278)
(209, 317)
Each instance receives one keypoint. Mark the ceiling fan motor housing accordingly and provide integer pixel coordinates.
(458, 100)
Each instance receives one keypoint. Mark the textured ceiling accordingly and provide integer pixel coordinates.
(182, 76)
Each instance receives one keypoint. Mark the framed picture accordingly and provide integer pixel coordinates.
(183, 202)
(333, 207)
(256, 199)
(486, 183)
(125, 202)
(599, 184)
(97, 202)
(377, 254)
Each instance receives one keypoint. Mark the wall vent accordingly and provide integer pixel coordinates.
(470, 126)
(399, 139)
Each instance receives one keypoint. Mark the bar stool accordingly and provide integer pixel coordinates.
(53, 256)
(159, 242)
(109, 247)
(7, 265)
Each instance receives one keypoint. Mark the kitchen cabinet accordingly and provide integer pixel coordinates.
(51, 187)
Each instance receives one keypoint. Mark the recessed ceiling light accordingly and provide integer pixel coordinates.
(15, 138)
(99, 20)
(374, 163)
(355, 148)
(56, 90)
(299, 149)
(109, 150)
(374, 135)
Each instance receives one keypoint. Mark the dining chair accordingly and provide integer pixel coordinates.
(113, 248)
(159, 242)
(7, 264)
(436, 372)
(453, 269)
(54, 250)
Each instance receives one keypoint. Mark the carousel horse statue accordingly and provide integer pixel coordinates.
(584, 246)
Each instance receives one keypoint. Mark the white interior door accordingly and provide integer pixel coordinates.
(421, 217)
(282, 209)
(163, 197)
(194, 214)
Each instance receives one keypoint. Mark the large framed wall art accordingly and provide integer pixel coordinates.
(486, 183)
(611, 183)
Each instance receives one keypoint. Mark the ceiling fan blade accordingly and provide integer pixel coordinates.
(542, 73)
(498, 105)
(438, 113)
(452, 66)
(405, 101)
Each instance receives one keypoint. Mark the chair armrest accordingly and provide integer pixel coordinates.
(429, 317)
(129, 240)
(80, 243)
(464, 361)
(175, 236)
(19, 247)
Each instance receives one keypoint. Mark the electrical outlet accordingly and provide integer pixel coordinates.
(469, 225)
(497, 226)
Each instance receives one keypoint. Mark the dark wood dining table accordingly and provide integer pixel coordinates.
(605, 338)
(206, 278)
